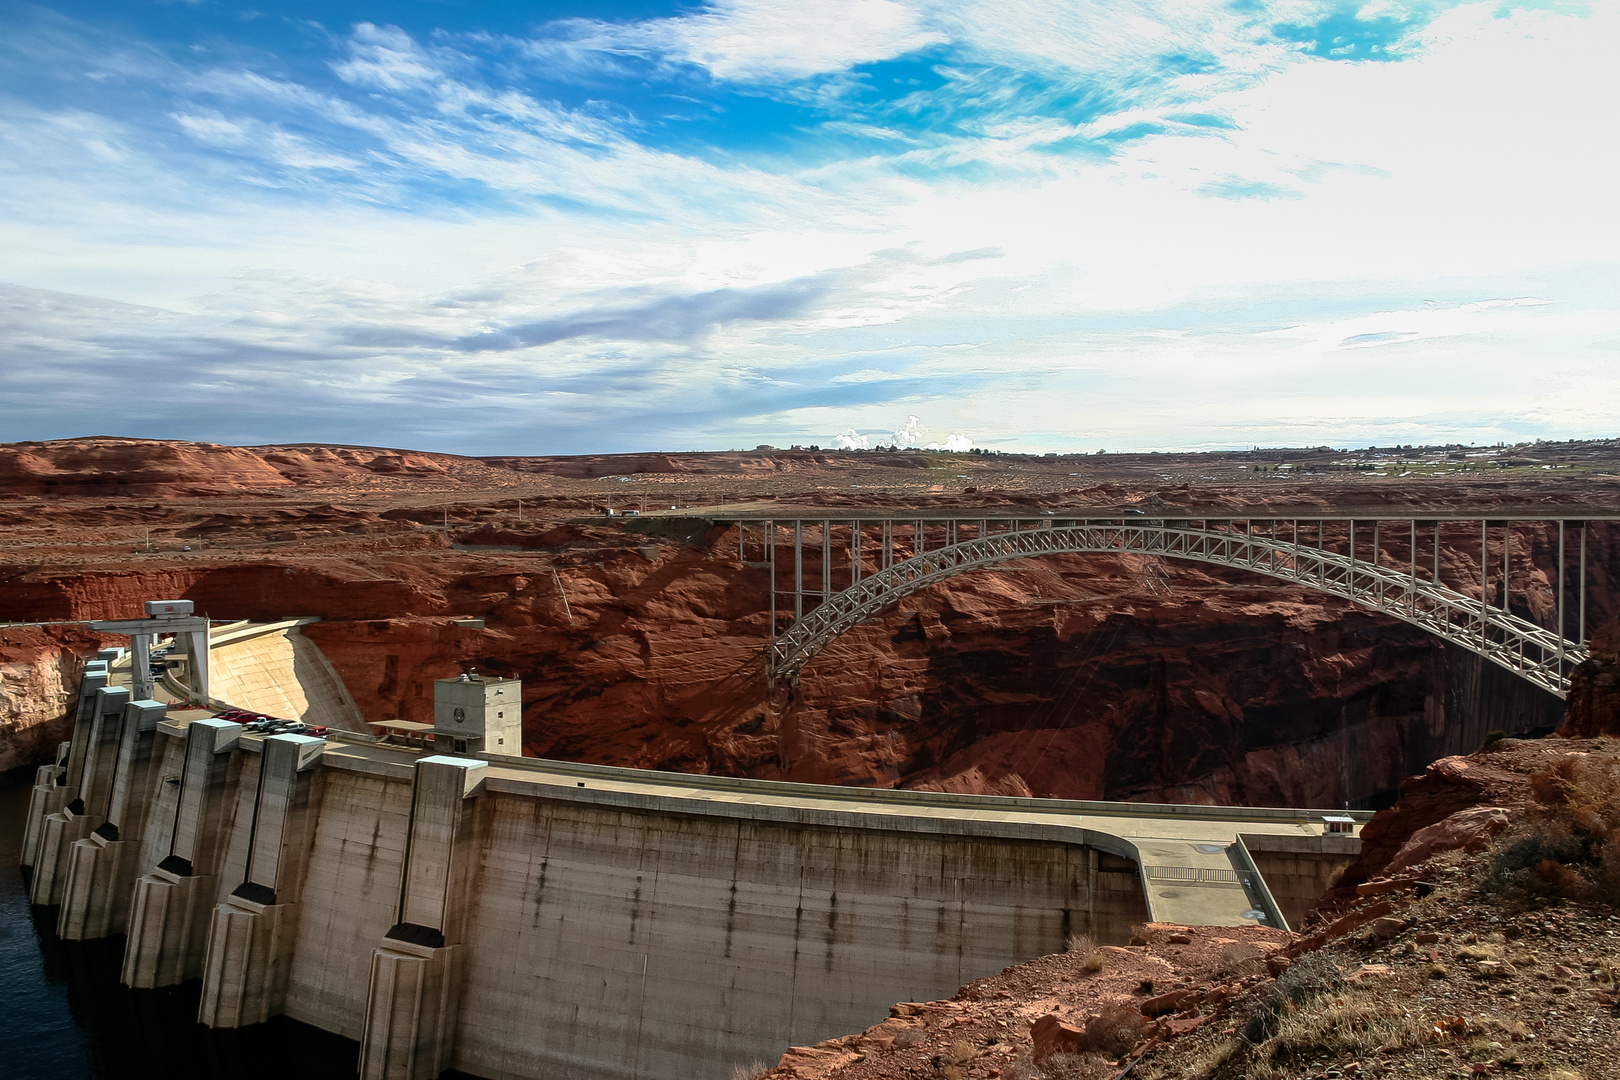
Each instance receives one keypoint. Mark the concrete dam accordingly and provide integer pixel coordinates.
(522, 918)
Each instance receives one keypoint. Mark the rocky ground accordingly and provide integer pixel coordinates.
(639, 642)
(1456, 956)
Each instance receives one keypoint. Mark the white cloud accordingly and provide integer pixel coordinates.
(760, 40)
(385, 57)
(1123, 305)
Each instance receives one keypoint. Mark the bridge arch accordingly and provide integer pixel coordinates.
(1530, 651)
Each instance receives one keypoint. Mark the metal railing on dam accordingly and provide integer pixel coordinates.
(521, 918)
(868, 560)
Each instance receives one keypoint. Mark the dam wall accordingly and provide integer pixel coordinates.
(730, 940)
(522, 918)
(587, 932)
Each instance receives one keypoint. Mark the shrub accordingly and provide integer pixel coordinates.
(1307, 978)
(1114, 1030)
(1492, 738)
(1568, 846)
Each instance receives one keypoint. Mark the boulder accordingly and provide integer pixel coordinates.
(1174, 1001)
(1469, 830)
(1052, 1036)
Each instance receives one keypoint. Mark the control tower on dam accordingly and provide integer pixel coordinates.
(449, 907)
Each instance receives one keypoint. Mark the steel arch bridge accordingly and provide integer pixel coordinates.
(1473, 622)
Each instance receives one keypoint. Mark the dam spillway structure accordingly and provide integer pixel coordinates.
(453, 907)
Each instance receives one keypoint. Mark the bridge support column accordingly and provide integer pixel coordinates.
(415, 991)
(101, 871)
(83, 812)
(166, 930)
(251, 934)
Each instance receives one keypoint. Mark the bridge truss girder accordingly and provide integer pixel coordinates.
(1530, 651)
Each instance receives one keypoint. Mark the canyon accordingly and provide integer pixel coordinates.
(639, 640)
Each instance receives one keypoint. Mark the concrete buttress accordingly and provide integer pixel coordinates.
(101, 870)
(56, 786)
(415, 990)
(48, 796)
(91, 762)
(251, 937)
(168, 920)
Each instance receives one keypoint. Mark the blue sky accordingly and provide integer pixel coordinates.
(561, 227)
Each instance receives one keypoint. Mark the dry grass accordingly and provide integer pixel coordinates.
(1082, 946)
(1241, 959)
(1358, 1024)
(1139, 935)
(1090, 1066)
(1202, 1065)
(751, 1071)
(1312, 1026)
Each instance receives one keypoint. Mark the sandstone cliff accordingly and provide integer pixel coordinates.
(39, 681)
(640, 642)
(1594, 692)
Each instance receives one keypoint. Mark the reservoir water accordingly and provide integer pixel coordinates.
(64, 1015)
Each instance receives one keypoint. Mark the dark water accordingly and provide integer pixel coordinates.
(64, 1016)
